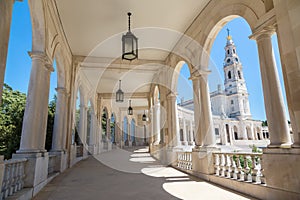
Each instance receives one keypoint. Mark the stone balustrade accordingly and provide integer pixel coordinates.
(79, 150)
(51, 164)
(13, 177)
(239, 166)
(184, 160)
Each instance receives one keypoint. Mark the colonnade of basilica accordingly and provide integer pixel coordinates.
(94, 76)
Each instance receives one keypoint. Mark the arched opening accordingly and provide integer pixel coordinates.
(132, 132)
(249, 134)
(89, 124)
(227, 133)
(235, 131)
(75, 132)
(183, 87)
(113, 128)
(258, 131)
(229, 75)
(125, 131)
(104, 124)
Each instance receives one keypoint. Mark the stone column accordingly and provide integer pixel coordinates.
(184, 132)
(156, 118)
(59, 120)
(36, 111)
(82, 124)
(6, 7)
(275, 111)
(191, 142)
(173, 121)
(202, 112)
(152, 125)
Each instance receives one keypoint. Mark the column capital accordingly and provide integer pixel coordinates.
(83, 106)
(267, 32)
(61, 90)
(172, 95)
(38, 55)
(199, 73)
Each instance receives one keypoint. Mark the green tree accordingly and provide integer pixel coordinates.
(11, 119)
(264, 123)
(50, 123)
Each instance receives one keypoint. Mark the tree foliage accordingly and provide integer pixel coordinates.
(50, 123)
(11, 118)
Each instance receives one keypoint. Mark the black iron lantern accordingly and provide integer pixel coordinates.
(144, 117)
(119, 94)
(130, 110)
(129, 44)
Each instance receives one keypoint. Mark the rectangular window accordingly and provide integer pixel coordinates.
(231, 101)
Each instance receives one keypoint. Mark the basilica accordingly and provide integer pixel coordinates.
(117, 65)
(232, 121)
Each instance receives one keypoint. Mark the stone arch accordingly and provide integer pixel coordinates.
(223, 13)
(60, 67)
(176, 73)
(156, 95)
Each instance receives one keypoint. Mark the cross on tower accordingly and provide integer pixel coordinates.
(227, 32)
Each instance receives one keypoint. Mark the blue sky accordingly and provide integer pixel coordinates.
(247, 51)
(19, 63)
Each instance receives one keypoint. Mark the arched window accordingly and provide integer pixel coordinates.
(229, 75)
(239, 74)
(233, 50)
(228, 51)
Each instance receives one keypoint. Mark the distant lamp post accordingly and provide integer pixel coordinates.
(129, 44)
(144, 117)
(119, 94)
(130, 110)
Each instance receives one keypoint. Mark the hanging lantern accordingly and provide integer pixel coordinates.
(129, 44)
(144, 117)
(119, 94)
(130, 110)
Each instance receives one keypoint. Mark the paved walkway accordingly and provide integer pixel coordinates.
(134, 175)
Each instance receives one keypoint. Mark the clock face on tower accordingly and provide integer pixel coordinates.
(228, 60)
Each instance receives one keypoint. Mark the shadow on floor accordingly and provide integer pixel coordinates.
(129, 174)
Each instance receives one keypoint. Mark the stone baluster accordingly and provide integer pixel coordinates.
(240, 175)
(234, 170)
(228, 166)
(255, 170)
(247, 169)
(222, 165)
(217, 164)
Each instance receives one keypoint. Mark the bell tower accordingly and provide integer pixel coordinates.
(235, 85)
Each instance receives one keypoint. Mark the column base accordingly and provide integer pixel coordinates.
(283, 146)
(203, 161)
(36, 170)
(60, 160)
(281, 168)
